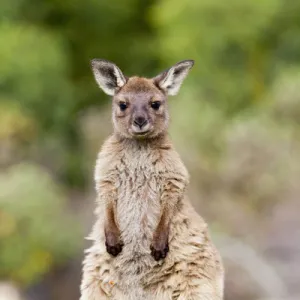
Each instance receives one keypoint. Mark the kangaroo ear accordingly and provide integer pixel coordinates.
(171, 80)
(108, 76)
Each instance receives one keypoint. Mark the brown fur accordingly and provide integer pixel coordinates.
(149, 243)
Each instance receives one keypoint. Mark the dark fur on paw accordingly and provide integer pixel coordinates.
(114, 250)
(159, 254)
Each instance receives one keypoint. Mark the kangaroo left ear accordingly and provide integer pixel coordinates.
(108, 76)
(171, 80)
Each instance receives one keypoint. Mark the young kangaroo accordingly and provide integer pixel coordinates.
(148, 241)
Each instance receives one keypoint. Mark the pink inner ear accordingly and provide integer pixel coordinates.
(108, 76)
(159, 78)
(171, 79)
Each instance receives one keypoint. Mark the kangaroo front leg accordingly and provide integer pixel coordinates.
(113, 241)
(171, 195)
(160, 243)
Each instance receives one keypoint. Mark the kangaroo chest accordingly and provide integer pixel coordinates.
(138, 204)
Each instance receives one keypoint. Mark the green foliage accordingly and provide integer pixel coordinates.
(236, 45)
(45, 51)
(33, 68)
(36, 232)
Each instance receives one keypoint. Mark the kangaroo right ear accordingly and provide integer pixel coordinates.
(171, 80)
(108, 76)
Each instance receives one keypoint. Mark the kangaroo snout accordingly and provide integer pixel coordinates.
(140, 122)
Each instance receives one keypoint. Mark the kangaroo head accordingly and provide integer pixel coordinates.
(139, 104)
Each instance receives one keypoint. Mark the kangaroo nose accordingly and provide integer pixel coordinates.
(140, 121)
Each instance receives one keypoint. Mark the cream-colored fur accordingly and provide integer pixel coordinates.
(192, 269)
(144, 178)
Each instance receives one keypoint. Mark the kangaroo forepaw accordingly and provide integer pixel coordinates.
(113, 242)
(159, 252)
(115, 249)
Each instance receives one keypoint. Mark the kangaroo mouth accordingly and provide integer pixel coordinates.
(141, 133)
(137, 132)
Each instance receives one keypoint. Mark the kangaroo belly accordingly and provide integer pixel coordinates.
(138, 210)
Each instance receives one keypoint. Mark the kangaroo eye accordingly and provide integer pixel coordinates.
(123, 106)
(155, 105)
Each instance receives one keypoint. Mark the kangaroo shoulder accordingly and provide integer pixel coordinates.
(171, 162)
(107, 158)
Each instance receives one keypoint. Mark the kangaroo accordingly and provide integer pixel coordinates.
(148, 241)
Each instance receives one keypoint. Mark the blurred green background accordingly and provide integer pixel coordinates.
(236, 124)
